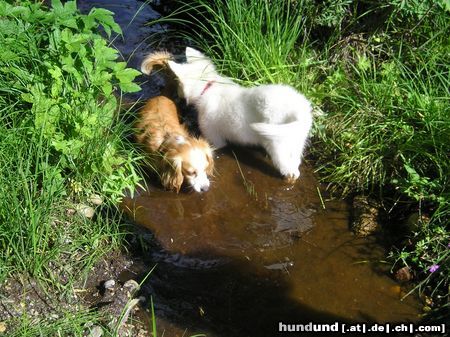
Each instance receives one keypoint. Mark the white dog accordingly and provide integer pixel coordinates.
(275, 117)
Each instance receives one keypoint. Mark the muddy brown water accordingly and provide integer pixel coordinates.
(252, 251)
(238, 260)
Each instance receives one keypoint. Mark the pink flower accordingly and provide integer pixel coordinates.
(433, 268)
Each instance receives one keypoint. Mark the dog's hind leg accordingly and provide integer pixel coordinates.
(284, 143)
(285, 159)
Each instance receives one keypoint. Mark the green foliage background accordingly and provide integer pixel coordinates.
(61, 137)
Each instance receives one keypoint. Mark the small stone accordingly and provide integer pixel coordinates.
(365, 216)
(403, 274)
(85, 210)
(415, 221)
(95, 199)
(110, 284)
(70, 211)
(132, 286)
(96, 331)
(142, 333)
(2, 327)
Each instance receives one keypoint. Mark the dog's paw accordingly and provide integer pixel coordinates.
(291, 178)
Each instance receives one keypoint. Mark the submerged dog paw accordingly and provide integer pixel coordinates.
(291, 178)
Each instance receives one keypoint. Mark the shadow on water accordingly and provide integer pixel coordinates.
(252, 251)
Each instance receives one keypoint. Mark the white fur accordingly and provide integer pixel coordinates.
(275, 117)
(199, 181)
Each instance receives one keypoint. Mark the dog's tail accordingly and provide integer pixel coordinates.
(159, 58)
(288, 131)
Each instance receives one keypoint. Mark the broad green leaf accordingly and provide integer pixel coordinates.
(129, 87)
(127, 75)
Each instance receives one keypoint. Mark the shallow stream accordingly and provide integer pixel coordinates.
(252, 251)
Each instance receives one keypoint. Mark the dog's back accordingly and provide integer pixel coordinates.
(158, 118)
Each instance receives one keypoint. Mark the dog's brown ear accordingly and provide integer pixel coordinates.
(171, 175)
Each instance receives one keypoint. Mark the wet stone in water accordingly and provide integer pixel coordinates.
(403, 274)
(365, 216)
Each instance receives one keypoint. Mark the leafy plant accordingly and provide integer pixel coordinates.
(69, 91)
(61, 135)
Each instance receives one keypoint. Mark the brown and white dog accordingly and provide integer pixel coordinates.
(179, 157)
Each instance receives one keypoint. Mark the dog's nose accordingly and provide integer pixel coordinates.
(204, 188)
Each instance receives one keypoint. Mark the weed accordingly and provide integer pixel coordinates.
(61, 139)
(248, 185)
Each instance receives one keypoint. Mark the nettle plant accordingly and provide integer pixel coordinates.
(60, 69)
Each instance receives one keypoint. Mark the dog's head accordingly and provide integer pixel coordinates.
(187, 160)
(193, 75)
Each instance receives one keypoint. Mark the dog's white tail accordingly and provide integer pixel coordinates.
(275, 132)
(159, 58)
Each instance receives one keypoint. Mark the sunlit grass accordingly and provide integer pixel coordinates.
(252, 42)
(42, 178)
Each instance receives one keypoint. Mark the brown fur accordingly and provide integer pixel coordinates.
(160, 132)
(155, 59)
(159, 61)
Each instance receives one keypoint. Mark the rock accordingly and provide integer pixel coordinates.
(132, 286)
(403, 274)
(2, 327)
(85, 210)
(110, 284)
(96, 331)
(70, 211)
(365, 216)
(95, 199)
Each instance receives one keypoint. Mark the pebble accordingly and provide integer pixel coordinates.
(85, 210)
(403, 274)
(131, 285)
(365, 216)
(70, 211)
(2, 327)
(96, 331)
(95, 199)
(109, 284)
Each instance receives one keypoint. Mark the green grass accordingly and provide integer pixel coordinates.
(69, 324)
(252, 33)
(62, 139)
(387, 133)
(381, 87)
